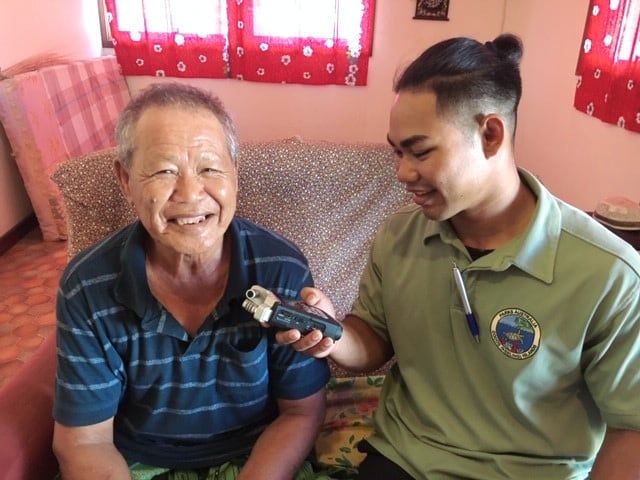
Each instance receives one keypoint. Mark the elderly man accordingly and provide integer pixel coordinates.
(514, 317)
(160, 369)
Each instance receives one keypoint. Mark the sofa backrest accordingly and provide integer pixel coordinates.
(94, 204)
(328, 198)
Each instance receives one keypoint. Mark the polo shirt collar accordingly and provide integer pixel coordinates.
(132, 288)
(238, 269)
(534, 252)
(446, 233)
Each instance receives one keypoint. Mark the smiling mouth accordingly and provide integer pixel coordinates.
(423, 198)
(195, 220)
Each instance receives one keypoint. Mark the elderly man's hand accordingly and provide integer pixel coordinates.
(313, 344)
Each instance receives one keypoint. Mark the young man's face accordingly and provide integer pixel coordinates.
(182, 180)
(441, 164)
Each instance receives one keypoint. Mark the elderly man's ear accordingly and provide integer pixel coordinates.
(492, 131)
(122, 174)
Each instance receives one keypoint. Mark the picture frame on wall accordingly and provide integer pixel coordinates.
(432, 10)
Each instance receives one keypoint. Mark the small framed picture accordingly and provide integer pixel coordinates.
(432, 9)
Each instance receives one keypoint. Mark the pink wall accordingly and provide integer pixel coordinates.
(578, 157)
(30, 27)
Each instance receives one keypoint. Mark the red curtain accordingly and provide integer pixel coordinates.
(278, 41)
(609, 63)
(161, 39)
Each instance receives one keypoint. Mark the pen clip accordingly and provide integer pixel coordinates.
(464, 298)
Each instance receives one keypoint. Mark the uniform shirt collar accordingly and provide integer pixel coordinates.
(533, 252)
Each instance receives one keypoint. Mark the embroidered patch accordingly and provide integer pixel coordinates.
(515, 333)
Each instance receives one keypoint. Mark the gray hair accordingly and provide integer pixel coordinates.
(167, 95)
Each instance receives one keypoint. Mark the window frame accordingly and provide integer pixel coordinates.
(105, 31)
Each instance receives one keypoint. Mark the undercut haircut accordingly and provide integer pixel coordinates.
(171, 95)
(469, 78)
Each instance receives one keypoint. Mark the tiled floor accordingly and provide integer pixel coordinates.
(29, 274)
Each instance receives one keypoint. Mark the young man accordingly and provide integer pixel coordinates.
(160, 370)
(526, 364)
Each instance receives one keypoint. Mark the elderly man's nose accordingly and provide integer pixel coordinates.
(188, 187)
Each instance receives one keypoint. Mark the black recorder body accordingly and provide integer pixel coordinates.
(286, 315)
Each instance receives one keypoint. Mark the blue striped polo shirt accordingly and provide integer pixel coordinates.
(178, 402)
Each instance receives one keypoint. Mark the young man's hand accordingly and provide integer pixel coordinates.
(313, 344)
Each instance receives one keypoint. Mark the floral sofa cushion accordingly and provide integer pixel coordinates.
(351, 402)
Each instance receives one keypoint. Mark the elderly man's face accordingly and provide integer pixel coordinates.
(182, 181)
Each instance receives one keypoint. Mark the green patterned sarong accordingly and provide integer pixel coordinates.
(226, 471)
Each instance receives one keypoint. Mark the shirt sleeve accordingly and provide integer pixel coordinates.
(369, 304)
(90, 376)
(294, 375)
(611, 358)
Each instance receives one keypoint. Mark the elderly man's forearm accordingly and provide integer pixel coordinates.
(96, 461)
(284, 445)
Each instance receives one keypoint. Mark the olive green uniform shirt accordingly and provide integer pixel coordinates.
(559, 355)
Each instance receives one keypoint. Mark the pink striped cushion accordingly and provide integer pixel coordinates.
(87, 98)
(54, 114)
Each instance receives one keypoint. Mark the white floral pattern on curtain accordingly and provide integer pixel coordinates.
(608, 68)
(279, 41)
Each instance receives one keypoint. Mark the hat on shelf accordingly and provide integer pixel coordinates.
(620, 213)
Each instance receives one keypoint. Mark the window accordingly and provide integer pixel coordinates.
(284, 41)
(609, 63)
(200, 17)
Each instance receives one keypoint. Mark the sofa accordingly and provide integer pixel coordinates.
(329, 198)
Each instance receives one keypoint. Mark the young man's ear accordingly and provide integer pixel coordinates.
(492, 131)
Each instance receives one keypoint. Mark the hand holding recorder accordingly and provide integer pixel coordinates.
(287, 315)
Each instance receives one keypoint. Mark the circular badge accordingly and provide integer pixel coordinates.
(515, 333)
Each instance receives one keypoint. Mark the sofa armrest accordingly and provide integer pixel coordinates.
(26, 422)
